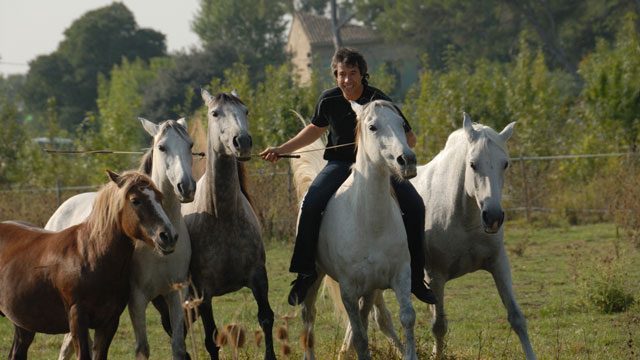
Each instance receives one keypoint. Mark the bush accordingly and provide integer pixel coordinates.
(610, 298)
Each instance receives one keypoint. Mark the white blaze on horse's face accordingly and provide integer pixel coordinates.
(487, 160)
(228, 125)
(383, 138)
(172, 155)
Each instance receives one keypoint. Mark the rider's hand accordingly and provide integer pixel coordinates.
(271, 154)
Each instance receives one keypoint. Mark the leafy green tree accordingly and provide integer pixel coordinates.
(253, 29)
(175, 90)
(92, 45)
(12, 137)
(611, 95)
(565, 29)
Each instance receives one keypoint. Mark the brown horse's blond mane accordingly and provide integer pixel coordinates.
(110, 200)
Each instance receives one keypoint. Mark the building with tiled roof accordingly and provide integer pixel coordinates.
(310, 45)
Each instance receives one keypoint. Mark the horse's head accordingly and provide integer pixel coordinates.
(381, 138)
(228, 125)
(485, 164)
(141, 215)
(171, 156)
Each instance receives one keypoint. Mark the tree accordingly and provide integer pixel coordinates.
(612, 87)
(253, 29)
(92, 45)
(175, 92)
(12, 137)
(565, 29)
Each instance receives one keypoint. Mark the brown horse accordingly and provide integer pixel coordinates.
(78, 278)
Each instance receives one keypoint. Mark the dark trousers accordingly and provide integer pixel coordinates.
(323, 187)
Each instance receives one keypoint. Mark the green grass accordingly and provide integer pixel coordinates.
(553, 271)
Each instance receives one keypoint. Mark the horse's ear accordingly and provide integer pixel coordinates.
(472, 134)
(115, 177)
(356, 107)
(506, 133)
(235, 93)
(183, 122)
(206, 96)
(151, 128)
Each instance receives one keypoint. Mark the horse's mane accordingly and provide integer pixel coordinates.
(242, 179)
(228, 97)
(146, 163)
(110, 200)
(485, 132)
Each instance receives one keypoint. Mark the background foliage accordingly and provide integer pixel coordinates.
(566, 71)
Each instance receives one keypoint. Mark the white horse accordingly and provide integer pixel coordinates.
(169, 163)
(362, 240)
(462, 191)
(228, 252)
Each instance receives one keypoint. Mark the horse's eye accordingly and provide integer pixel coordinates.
(162, 148)
(135, 202)
(373, 128)
(246, 112)
(191, 146)
(473, 165)
(214, 113)
(506, 165)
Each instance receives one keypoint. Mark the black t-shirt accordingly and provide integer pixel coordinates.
(335, 111)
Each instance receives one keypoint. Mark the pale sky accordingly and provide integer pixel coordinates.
(29, 28)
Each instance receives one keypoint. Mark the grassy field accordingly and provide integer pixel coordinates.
(554, 271)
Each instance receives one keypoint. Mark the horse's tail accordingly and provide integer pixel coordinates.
(307, 166)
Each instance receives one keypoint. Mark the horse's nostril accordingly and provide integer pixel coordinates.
(180, 189)
(485, 217)
(401, 160)
(250, 141)
(235, 142)
(164, 237)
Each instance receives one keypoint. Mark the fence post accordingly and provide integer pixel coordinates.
(58, 192)
(525, 184)
(290, 183)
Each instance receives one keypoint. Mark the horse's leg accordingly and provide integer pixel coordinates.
(22, 339)
(402, 289)
(66, 349)
(161, 305)
(79, 330)
(308, 314)
(209, 325)
(260, 288)
(137, 312)
(360, 338)
(501, 273)
(439, 324)
(382, 316)
(103, 337)
(176, 312)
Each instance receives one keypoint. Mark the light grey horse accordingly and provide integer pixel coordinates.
(228, 252)
(362, 242)
(462, 191)
(168, 162)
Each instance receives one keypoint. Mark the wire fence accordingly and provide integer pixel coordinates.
(526, 193)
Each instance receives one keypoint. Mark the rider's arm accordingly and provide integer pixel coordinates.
(305, 137)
